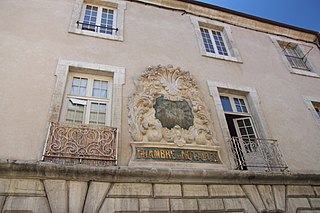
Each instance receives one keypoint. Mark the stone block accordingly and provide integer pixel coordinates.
(210, 205)
(267, 197)
(315, 202)
(195, 190)
(167, 190)
(96, 193)
(131, 190)
(279, 192)
(295, 203)
(179, 205)
(317, 190)
(300, 191)
(242, 204)
(112, 205)
(21, 187)
(33, 204)
(2, 199)
(77, 196)
(226, 191)
(57, 194)
(154, 205)
(308, 211)
(254, 196)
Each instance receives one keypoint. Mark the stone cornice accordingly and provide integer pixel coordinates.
(235, 18)
(40, 170)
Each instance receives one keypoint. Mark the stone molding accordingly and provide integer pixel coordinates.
(24, 169)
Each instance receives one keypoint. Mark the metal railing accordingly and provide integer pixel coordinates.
(95, 28)
(257, 154)
(82, 144)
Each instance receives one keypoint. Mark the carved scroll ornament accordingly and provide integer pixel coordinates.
(168, 108)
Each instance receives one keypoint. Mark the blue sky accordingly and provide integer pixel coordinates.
(299, 13)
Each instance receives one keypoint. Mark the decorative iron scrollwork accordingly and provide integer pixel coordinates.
(81, 144)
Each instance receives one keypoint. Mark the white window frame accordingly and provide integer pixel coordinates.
(233, 52)
(118, 22)
(233, 105)
(88, 99)
(300, 48)
(63, 70)
(216, 51)
(99, 16)
(309, 102)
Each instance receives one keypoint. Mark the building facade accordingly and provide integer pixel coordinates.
(156, 106)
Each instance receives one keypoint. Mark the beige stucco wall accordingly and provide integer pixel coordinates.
(34, 36)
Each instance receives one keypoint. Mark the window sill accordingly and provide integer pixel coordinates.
(304, 72)
(97, 35)
(222, 57)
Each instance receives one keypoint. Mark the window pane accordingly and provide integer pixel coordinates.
(240, 123)
(238, 108)
(79, 86)
(222, 50)
(294, 58)
(100, 89)
(207, 40)
(106, 21)
(98, 114)
(90, 18)
(226, 104)
(75, 113)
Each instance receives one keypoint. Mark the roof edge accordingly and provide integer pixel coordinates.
(245, 15)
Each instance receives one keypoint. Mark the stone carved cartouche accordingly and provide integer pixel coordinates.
(168, 108)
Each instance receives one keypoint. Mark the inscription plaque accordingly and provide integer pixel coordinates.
(172, 113)
(175, 154)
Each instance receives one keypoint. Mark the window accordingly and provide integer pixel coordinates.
(87, 93)
(244, 129)
(316, 106)
(214, 42)
(103, 19)
(88, 100)
(294, 56)
(313, 104)
(98, 19)
(232, 103)
(215, 39)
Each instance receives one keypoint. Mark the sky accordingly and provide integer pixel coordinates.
(299, 13)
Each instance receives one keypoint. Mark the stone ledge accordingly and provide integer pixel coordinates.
(41, 170)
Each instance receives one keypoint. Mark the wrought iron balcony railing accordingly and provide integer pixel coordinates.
(81, 145)
(257, 154)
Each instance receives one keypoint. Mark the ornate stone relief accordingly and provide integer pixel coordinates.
(168, 108)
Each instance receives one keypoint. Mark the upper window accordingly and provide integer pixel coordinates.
(98, 19)
(102, 19)
(316, 106)
(294, 56)
(313, 104)
(215, 40)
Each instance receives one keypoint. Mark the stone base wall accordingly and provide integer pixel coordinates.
(36, 187)
(59, 196)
